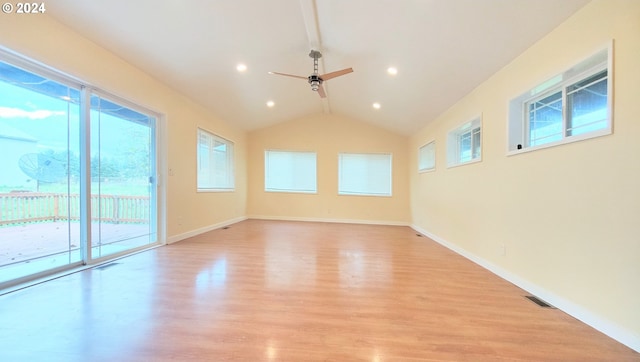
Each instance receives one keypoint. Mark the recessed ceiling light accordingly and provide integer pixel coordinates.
(376, 105)
(271, 104)
(241, 67)
(392, 70)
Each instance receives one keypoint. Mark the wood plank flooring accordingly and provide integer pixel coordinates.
(292, 291)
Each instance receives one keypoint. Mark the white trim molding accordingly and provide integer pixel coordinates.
(202, 230)
(602, 324)
(337, 221)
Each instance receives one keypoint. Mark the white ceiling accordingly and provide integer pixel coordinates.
(442, 48)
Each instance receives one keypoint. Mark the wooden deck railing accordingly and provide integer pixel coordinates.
(25, 207)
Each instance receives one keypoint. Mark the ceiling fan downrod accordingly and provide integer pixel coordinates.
(314, 79)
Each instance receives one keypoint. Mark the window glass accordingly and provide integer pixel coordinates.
(215, 163)
(464, 144)
(427, 157)
(464, 147)
(287, 171)
(476, 143)
(364, 174)
(587, 104)
(545, 119)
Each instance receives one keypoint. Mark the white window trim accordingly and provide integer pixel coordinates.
(428, 169)
(312, 192)
(231, 163)
(453, 142)
(518, 114)
(390, 194)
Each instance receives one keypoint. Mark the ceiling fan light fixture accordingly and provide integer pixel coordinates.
(315, 82)
(392, 70)
(270, 104)
(376, 105)
(241, 68)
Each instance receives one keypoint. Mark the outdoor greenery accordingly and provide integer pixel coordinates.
(109, 188)
(124, 174)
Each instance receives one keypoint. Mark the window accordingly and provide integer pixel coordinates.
(427, 157)
(464, 144)
(364, 174)
(78, 172)
(215, 163)
(572, 106)
(288, 171)
(122, 155)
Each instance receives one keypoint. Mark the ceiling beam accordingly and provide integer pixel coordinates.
(310, 16)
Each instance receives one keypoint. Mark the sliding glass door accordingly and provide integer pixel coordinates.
(122, 178)
(77, 173)
(39, 181)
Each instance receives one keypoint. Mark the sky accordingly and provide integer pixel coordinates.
(54, 122)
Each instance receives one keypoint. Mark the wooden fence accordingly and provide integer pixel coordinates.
(25, 207)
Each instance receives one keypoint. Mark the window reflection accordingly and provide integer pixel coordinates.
(359, 269)
(289, 264)
(212, 277)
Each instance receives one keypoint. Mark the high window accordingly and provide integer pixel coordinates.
(364, 174)
(571, 106)
(427, 157)
(215, 163)
(289, 171)
(464, 144)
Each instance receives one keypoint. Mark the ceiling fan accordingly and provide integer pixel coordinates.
(315, 79)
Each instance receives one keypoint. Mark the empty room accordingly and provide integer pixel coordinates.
(320, 180)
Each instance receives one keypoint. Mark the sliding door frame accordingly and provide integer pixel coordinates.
(155, 222)
(158, 166)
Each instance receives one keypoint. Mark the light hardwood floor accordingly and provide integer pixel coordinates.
(292, 291)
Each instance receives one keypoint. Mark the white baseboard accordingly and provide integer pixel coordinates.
(339, 221)
(188, 234)
(611, 329)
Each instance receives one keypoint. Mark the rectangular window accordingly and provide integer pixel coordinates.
(572, 106)
(364, 174)
(215, 163)
(289, 171)
(427, 157)
(464, 144)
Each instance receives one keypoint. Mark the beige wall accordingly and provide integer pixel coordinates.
(327, 135)
(569, 216)
(45, 40)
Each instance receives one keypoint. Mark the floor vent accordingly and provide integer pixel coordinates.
(539, 302)
(105, 266)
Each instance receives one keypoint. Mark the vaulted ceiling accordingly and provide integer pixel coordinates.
(442, 50)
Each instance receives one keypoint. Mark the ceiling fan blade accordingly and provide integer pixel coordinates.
(321, 91)
(336, 74)
(289, 75)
